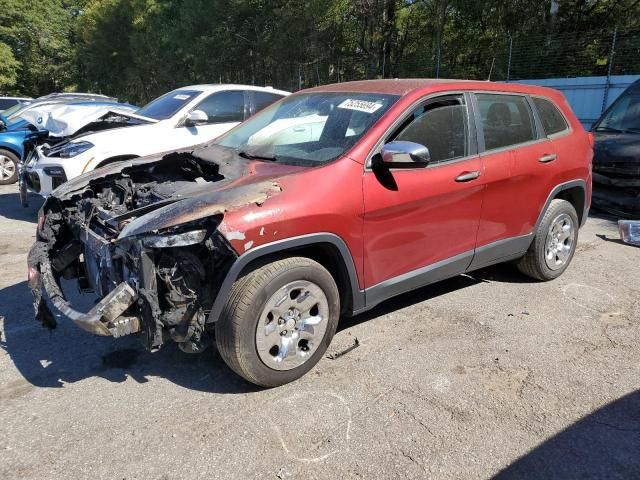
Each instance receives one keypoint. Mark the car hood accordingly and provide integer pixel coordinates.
(188, 185)
(65, 120)
(615, 148)
(17, 126)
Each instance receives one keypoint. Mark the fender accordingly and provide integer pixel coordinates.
(559, 188)
(282, 245)
(15, 148)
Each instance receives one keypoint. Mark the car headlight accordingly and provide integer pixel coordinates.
(168, 240)
(71, 149)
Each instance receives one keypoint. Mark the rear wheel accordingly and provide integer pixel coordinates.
(278, 321)
(554, 243)
(8, 167)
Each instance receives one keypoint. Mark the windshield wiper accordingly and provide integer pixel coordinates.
(252, 156)
(633, 130)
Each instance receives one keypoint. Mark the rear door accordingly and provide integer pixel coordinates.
(518, 163)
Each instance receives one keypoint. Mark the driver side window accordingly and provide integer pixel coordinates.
(441, 125)
(224, 107)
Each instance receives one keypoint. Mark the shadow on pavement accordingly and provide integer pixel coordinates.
(605, 444)
(67, 354)
(10, 207)
(411, 298)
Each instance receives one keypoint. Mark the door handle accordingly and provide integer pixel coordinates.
(549, 157)
(467, 176)
(299, 129)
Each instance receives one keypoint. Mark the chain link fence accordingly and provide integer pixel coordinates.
(513, 57)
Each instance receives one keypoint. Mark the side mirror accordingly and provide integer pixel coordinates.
(2, 125)
(405, 154)
(195, 118)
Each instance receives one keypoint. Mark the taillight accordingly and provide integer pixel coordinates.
(591, 139)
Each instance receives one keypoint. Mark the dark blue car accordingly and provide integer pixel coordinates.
(616, 160)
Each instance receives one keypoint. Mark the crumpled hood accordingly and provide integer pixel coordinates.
(242, 183)
(64, 120)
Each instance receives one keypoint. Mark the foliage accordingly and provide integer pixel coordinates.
(138, 49)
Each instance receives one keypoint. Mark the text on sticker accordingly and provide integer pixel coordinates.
(360, 105)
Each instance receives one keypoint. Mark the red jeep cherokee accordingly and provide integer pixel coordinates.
(324, 204)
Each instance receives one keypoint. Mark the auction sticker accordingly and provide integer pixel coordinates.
(360, 105)
(181, 97)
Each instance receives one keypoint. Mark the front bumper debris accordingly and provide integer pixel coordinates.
(105, 318)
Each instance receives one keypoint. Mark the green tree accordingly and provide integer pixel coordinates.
(8, 68)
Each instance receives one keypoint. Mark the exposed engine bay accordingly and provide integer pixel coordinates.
(144, 239)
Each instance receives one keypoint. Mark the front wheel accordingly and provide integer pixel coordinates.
(554, 243)
(278, 321)
(8, 168)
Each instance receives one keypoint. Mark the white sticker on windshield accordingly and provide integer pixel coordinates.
(181, 97)
(360, 105)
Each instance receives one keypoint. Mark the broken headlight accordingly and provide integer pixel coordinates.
(629, 231)
(71, 149)
(168, 240)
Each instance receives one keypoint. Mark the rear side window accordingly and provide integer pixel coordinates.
(440, 125)
(168, 104)
(264, 99)
(506, 120)
(552, 119)
(224, 107)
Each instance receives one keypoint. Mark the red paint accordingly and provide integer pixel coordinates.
(429, 217)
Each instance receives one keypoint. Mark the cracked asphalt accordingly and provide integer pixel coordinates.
(479, 376)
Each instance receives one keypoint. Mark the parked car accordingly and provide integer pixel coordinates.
(15, 111)
(15, 131)
(8, 102)
(616, 161)
(181, 118)
(262, 248)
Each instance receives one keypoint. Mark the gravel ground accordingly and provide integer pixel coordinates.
(481, 375)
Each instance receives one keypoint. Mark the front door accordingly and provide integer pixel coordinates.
(420, 224)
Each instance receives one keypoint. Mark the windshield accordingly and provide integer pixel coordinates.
(168, 104)
(623, 117)
(308, 128)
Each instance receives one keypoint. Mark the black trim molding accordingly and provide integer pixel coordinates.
(280, 246)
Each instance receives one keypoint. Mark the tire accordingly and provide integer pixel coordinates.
(271, 290)
(540, 262)
(8, 167)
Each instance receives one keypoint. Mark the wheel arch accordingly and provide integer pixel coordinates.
(573, 191)
(11, 149)
(327, 249)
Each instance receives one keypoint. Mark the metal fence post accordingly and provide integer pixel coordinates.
(607, 85)
(509, 57)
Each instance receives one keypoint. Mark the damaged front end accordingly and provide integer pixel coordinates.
(143, 236)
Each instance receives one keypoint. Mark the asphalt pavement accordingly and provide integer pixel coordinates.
(482, 375)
